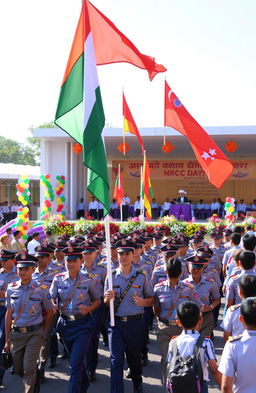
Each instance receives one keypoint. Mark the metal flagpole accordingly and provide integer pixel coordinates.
(109, 269)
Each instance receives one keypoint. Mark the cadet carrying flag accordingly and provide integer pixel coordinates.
(80, 111)
(146, 189)
(213, 161)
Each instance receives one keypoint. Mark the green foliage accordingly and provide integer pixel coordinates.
(16, 153)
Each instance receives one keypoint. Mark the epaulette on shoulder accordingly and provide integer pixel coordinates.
(93, 275)
(100, 264)
(209, 279)
(234, 338)
(14, 284)
(234, 307)
(190, 285)
(140, 271)
(60, 274)
(43, 286)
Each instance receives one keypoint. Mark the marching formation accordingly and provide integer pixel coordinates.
(62, 293)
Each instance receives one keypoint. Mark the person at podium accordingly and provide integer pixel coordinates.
(182, 197)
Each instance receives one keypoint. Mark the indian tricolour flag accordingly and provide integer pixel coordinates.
(80, 111)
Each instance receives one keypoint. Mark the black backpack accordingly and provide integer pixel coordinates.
(185, 374)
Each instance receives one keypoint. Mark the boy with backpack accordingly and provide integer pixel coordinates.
(190, 355)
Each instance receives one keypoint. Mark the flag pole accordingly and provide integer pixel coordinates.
(109, 269)
(121, 206)
(123, 123)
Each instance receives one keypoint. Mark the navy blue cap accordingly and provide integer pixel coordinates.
(72, 253)
(125, 245)
(43, 251)
(196, 260)
(60, 246)
(7, 254)
(227, 232)
(88, 246)
(146, 236)
(24, 260)
(169, 249)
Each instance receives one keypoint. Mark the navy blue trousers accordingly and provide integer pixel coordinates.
(92, 358)
(125, 337)
(76, 337)
(2, 334)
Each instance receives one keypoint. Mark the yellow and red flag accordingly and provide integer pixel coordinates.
(130, 125)
(119, 189)
(146, 188)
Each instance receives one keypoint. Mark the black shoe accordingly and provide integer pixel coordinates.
(128, 374)
(1, 382)
(64, 355)
(138, 388)
(41, 375)
(52, 363)
(145, 361)
(92, 376)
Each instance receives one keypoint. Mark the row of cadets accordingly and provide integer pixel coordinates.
(8, 275)
(132, 291)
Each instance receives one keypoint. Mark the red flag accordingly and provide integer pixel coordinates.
(110, 45)
(130, 125)
(119, 190)
(213, 161)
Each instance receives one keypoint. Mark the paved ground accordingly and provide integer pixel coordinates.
(57, 379)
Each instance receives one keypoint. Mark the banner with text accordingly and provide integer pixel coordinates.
(175, 170)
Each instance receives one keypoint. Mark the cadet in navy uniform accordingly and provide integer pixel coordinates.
(168, 295)
(207, 290)
(8, 275)
(75, 294)
(237, 365)
(44, 274)
(29, 313)
(132, 291)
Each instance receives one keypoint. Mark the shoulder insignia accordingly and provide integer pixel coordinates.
(43, 286)
(59, 274)
(188, 284)
(141, 271)
(234, 338)
(234, 307)
(14, 284)
(100, 264)
(209, 279)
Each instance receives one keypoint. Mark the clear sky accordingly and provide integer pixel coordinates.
(207, 46)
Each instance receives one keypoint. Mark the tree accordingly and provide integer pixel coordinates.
(16, 153)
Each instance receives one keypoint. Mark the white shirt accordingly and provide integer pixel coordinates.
(238, 362)
(137, 205)
(81, 206)
(126, 200)
(154, 205)
(215, 205)
(31, 246)
(200, 206)
(113, 205)
(93, 205)
(231, 322)
(100, 206)
(186, 342)
(166, 205)
(241, 207)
